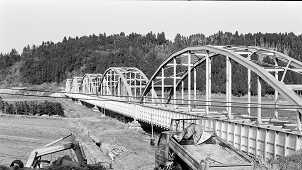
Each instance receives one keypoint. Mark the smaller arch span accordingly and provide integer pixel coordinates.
(123, 81)
(90, 83)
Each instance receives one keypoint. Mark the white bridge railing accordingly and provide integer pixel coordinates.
(263, 141)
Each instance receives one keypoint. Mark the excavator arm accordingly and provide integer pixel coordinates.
(35, 156)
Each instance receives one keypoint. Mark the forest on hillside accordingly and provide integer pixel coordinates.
(75, 56)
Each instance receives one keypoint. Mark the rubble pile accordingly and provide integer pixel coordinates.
(116, 150)
(112, 150)
(134, 125)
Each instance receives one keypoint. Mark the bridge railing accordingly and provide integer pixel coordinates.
(265, 141)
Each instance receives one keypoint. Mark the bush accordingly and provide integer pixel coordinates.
(32, 108)
(1, 104)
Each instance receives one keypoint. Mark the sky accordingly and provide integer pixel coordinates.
(30, 22)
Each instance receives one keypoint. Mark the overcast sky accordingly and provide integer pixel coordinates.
(33, 21)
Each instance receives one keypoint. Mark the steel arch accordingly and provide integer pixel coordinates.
(68, 85)
(130, 78)
(90, 83)
(75, 84)
(241, 55)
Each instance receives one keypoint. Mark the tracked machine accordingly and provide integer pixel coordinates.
(188, 146)
(42, 157)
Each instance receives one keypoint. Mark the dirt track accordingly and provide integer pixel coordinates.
(139, 154)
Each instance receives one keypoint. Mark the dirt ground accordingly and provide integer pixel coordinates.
(20, 135)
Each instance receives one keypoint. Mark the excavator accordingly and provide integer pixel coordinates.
(187, 146)
(37, 157)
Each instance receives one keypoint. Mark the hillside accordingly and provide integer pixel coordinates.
(54, 62)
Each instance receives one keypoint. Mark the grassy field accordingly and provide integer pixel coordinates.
(19, 136)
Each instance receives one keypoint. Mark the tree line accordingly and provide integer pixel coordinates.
(75, 56)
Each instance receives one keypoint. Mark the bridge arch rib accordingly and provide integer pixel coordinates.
(90, 83)
(75, 84)
(179, 68)
(123, 81)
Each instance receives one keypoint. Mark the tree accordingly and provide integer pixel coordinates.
(161, 38)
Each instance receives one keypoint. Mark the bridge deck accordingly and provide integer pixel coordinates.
(265, 140)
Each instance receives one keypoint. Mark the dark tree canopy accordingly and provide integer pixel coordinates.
(54, 62)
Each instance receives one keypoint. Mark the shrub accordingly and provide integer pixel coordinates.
(32, 108)
(1, 104)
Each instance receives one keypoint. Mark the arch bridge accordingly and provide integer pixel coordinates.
(87, 84)
(181, 89)
(123, 82)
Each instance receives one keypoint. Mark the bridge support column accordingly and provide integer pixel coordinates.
(140, 85)
(116, 80)
(90, 85)
(101, 88)
(299, 117)
(130, 84)
(229, 86)
(182, 92)
(118, 87)
(189, 81)
(208, 83)
(152, 130)
(195, 88)
(249, 92)
(113, 84)
(111, 78)
(162, 85)
(120, 94)
(174, 82)
(134, 84)
(276, 92)
(259, 120)
(107, 83)
(152, 92)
